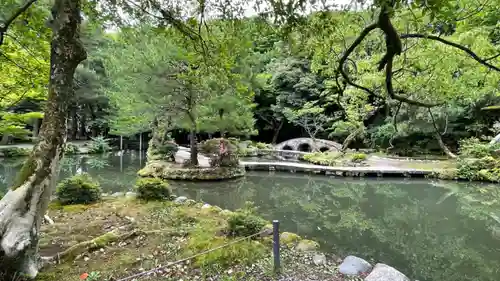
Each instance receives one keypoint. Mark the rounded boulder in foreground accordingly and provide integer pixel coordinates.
(383, 272)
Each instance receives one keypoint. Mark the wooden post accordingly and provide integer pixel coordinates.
(276, 246)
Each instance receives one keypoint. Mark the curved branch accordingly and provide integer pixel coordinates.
(455, 45)
(348, 52)
(5, 25)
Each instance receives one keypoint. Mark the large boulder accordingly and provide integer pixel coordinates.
(383, 272)
(353, 265)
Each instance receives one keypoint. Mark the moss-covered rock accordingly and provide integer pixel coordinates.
(288, 238)
(79, 189)
(153, 189)
(165, 170)
(306, 245)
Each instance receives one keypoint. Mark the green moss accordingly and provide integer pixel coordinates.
(104, 239)
(288, 238)
(245, 252)
(26, 171)
(358, 157)
(164, 170)
(306, 245)
(323, 158)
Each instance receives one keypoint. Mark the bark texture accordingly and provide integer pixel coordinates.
(23, 208)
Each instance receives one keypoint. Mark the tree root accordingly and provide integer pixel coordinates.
(114, 235)
(96, 243)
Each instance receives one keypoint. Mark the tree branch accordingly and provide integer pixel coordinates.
(348, 52)
(5, 25)
(455, 45)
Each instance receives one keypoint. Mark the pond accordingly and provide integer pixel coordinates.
(431, 231)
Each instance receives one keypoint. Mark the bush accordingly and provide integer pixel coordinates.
(244, 222)
(323, 158)
(358, 157)
(99, 145)
(79, 189)
(473, 147)
(153, 189)
(261, 145)
(15, 152)
(71, 149)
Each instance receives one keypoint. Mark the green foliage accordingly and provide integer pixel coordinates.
(244, 253)
(71, 149)
(478, 161)
(211, 148)
(323, 158)
(11, 152)
(473, 147)
(167, 149)
(244, 222)
(79, 189)
(358, 157)
(99, 145)
(153, 189)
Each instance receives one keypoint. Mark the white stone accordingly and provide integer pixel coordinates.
(319, 259)
(180, 199)
(353, 265)
(383, 272)
(206, 206)
(130, 194)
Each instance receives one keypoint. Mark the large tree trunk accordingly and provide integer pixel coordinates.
(5, 139)
(193, 147)
(24, 206)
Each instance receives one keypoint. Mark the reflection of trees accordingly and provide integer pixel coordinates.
(404, 227)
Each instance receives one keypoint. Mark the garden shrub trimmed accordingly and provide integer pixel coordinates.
(79, 189)
(153, 189)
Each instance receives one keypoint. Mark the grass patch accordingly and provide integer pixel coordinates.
(168, 232)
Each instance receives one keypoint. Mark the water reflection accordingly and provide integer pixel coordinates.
(432, 231)
(115, 171)
(428, 232)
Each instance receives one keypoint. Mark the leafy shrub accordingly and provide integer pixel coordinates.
(261, 145)
(2, 194)
(99, 145)
(79, 189)
(153, 189)
(473, 147)
(323, 158)
(71, 149)
(244, 222)
(485, 168)
(15, 152)
(358, 157)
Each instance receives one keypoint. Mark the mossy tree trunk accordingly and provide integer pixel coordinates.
(24, 206)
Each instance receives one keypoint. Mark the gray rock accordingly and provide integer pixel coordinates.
(118, 194)
(353, 265)
(383, 272)
(206, 206)
(319, 259)
(180, 199)
(131, 194)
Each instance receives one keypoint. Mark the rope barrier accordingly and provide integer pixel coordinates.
(141, 274)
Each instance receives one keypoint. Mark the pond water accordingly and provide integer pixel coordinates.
(431, 231)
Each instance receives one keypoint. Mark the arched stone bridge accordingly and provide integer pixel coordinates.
(307, 144)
